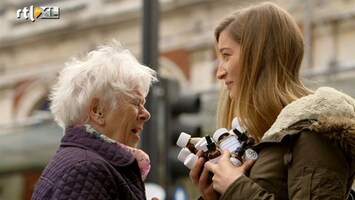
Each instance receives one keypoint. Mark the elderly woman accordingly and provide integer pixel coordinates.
(99, 102)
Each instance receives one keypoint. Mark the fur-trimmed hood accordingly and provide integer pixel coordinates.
(332, 113)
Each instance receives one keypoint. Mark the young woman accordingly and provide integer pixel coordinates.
(306, 140)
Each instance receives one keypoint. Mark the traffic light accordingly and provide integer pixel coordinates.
(177, 106)
(183, 105)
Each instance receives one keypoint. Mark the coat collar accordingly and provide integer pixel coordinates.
(115, 153)
(326, 102)
(327, 111)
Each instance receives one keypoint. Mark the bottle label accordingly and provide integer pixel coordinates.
(231, 144)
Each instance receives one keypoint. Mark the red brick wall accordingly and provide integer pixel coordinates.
(31, 179)
(181, 58)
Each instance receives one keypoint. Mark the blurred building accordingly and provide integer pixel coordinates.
(31, 53)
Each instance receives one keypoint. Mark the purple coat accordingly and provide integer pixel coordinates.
(86, 167)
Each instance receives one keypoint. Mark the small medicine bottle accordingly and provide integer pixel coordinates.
(236, 125)
(184, 152)
(189, 159)
(237, 154)
(226, 140)
(213, 153)
(201, 145)
(245, 140)
(240, 150)
(184, 140)
(220, 134)
(244, 152)
(230, 142)
(250, 154)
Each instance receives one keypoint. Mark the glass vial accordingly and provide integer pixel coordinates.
(184, 140)
(213, 154)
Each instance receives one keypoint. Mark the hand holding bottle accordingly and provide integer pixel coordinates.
(225, 173)
(201, 178)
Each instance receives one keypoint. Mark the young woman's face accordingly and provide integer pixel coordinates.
(228, 69)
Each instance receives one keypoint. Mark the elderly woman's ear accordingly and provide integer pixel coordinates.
(96, 112)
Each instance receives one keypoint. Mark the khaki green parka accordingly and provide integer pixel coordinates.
(308, 153)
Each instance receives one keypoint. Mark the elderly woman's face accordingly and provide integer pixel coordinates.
(124, 123)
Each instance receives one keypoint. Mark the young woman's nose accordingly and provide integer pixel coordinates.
(221, 71)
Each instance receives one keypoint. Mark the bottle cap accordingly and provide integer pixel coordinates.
(250, 154)
(190, 160)
(194, 140)
(231, 132)
(236, 125)
(201, 141)
(201, 145)
(235, 161)
(211, 146)
(218, 133)
(184, 152)
(183, 139)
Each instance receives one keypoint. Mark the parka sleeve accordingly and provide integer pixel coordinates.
(85, 180)
(319, 170)
(245, 188)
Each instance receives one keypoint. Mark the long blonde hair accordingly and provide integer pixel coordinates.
(270, 59)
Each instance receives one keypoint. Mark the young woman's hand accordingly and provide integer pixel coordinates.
(225, 173)
(201, 178)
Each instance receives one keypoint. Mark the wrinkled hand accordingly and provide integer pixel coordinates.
(225, 173)
(201, 178)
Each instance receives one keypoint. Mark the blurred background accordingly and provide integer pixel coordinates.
(175, 37)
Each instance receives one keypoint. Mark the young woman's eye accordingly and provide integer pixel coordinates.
(225, 55)
(225, 58)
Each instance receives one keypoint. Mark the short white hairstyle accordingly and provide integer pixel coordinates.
(108, 73)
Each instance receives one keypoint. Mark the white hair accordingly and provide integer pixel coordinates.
(108, 72)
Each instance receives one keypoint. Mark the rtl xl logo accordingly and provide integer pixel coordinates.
(42, 12)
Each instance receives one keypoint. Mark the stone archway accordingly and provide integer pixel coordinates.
(30, 97)
(168, 69)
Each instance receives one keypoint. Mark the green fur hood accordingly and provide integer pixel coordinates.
(331, 113)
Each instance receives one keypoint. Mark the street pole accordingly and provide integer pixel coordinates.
(308, 23)
(150, 58)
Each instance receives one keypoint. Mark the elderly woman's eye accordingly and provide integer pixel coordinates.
(136, 102)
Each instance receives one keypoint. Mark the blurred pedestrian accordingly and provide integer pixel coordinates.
(99, 102)
(306, 139)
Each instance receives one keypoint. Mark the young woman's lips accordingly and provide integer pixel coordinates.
(229, 84)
